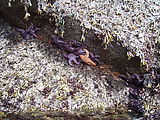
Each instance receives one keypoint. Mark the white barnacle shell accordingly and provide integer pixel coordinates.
(130, 54)
(27, 15)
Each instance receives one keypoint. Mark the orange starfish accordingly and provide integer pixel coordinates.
(85, 58)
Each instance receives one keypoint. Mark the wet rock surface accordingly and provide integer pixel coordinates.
(115, 54)
(43, 81)
(37, 83)
(35, 78)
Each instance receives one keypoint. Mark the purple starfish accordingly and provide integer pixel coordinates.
(74, 48)
(80, 51)
(134, 79)
(79, 45)
(76, 44)
(29, 32)
(72, 59)
(59, 43)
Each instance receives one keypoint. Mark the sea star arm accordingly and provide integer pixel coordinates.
(30, 27)
(87, 53)
(76, 44)
(94, 57)
(70, 62)
(22, 32)
(65, 56)
(30, 31)
(56, 41)
(85, 58)
(75, 61)
(36, 29)
(71, 59)
(80, 51)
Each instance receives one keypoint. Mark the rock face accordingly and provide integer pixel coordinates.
(131, 22)
(36, 82)
(115, 54)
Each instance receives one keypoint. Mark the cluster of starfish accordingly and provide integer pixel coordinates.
(77, 52)
(29, 32)
(138, 83)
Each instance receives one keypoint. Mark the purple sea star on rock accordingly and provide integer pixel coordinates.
(75, 49)
(134, 79)
(76, 44)
(72, 59)
(29, 32)
(59, 43)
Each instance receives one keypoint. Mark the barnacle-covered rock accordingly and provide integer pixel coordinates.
(129, 23)
(35, 83)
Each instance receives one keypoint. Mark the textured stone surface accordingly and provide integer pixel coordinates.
(115, 54)
(135, 23)
(36, 78)
(42, 79)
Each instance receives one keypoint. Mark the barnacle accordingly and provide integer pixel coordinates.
(83, 32)
(107, 39)
(59, 22)
(9, 3)
(130, 55)
(27, 15)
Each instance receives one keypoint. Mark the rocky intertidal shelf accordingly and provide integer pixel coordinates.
(36, 81)
(36, 78)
